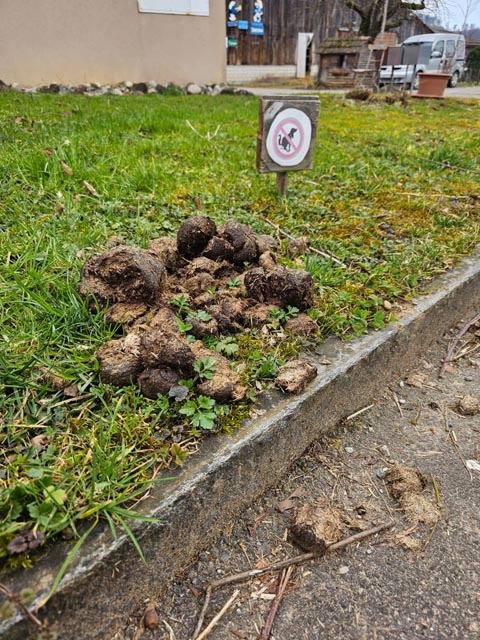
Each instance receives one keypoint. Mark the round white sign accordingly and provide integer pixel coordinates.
(289, 137)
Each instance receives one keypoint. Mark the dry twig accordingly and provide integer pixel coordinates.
(329, 256)
(277, 566)
(453, 439)
(208, 594)
(17, 600)
(358, 413)
(454, 342)
(169, 629)
(304, 557)
(267, 629)
(219, 615)
(398, 404)
(209, 135)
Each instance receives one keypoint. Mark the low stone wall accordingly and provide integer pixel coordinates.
(126, 88)
(237, 74)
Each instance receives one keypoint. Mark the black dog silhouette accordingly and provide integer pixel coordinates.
(284, 141)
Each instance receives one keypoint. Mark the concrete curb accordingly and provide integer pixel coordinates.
(108, 580)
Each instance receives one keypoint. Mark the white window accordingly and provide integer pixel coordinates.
(191, 7)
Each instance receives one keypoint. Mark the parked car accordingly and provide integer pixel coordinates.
(429, 52)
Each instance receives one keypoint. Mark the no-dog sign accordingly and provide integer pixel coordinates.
(287, 131)
(289, 137)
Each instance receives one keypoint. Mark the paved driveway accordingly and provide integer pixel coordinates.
(458, 92)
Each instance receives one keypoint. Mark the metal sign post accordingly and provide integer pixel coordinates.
(286, 135)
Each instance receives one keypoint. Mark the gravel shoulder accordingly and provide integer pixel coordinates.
(418, 580)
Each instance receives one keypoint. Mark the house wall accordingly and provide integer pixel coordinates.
(107, 41)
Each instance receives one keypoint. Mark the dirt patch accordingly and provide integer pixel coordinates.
(206, 283)
(405, 480)
(280, 286)
(295, 375)
(419, 508)
(123, 274)
(468, 406)
(315, 527)
(412, 491)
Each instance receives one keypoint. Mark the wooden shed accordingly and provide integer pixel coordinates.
(339, 59)
(290, 33)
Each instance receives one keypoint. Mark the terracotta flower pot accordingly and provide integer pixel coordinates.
(432, 85)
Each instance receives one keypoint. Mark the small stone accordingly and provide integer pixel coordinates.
(193, 89)
(343, 570)
(139, 87)
(468, 379)
(385, 450)
(349, 449)
(369, 552)
(381, 473)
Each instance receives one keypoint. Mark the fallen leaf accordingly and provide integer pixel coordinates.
(449, 369)
(288, 503)
(39, 441)
(150, 618)
(66, 168)
(472, 465)
(71, 391)
(416, 380)
(179, 392)
(196, 592)
(91, 190)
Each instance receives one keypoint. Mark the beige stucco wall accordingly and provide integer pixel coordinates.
(107, 41)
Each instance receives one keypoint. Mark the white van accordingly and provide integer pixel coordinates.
(431, 52)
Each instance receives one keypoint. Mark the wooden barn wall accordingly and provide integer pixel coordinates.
(413, 27)
(283, 20)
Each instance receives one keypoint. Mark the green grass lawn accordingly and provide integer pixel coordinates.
(394, 194)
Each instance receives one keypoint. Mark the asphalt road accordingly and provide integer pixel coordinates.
(419, 581)
(457, 92)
